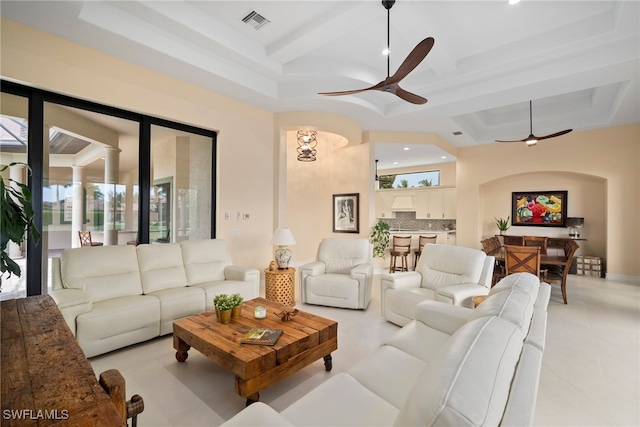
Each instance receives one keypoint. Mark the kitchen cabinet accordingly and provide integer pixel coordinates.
(384, 200)
(438, 203)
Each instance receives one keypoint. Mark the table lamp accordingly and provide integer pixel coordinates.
(283, 238)
(575, 224)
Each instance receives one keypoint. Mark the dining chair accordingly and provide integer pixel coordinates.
(540, 241)
(422, 240)
(513, 240)
(400, 247)
(85, 239)
(558, 273)
(491, 245)
(523, 259)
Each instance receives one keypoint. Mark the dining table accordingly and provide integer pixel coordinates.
(545, 259)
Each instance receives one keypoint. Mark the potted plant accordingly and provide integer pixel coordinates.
(17, 223)
(237, 305)
(380, 238)
(503, 224)
(223, 304)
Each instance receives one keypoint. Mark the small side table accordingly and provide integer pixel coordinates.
(280, 285)
(478, 299)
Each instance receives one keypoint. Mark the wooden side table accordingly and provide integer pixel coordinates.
(280, 285)
(478, 299)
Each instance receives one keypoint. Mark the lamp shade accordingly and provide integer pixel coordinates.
(575, 222)
(283, 237)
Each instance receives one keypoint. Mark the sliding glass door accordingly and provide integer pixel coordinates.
(125, 177)
(180, 197)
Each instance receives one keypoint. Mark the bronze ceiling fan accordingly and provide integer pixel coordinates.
(531, 140)
(391, 83)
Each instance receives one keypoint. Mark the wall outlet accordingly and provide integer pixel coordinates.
(245, 216)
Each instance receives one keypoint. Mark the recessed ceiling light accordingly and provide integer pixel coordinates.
(443, 157)
(395, 163)
(514, 1)
(406, 148)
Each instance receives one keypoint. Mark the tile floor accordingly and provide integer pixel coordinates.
(590, 374)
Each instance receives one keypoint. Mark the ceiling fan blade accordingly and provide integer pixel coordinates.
(412, 60)
(351, 92)
(553, 135)
(409, 97)
(513, 140)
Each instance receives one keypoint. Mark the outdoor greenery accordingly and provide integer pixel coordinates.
(380, 238)
(386, 181)
(17, 223)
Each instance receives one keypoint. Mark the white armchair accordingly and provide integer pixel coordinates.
(451, 274)
(341, 276)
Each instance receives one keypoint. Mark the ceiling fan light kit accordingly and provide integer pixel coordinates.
(391, 83)
(532, 140)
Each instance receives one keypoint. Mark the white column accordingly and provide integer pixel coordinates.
(16, 174)
(77, 213)
(111, 170)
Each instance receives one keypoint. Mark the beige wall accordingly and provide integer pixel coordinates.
(599, 167)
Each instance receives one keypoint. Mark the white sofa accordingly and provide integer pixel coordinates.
(115, 296)
(341, 276)
(452, 274)
(452, 366)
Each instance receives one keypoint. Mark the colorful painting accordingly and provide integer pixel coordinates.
(539, 208)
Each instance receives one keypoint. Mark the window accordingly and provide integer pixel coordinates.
(408, 180)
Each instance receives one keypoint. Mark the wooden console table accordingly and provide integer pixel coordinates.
(46, 378)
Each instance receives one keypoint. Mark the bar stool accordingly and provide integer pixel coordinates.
(422, 240)
(400, 247)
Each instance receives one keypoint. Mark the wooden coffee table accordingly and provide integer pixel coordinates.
(305, 339)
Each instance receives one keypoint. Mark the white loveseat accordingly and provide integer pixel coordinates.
(452, 274)
(452, 366)
(115, 296)
(341, 276)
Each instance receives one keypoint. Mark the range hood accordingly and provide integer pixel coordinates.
(403, 204)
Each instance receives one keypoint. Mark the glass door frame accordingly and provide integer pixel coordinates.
(36, 283)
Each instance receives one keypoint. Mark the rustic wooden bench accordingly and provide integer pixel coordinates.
(46, 378)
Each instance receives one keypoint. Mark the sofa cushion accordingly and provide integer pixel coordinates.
(387, 372)
(205, 260)
(341, 401)
(444, 265)
(176, 303)
(419, 340)
(341, 255)
(467, 382)
(513, 302)
(118, 322)
(103, 272)
(161, 267)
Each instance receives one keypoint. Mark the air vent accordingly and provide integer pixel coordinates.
(457, 133)
(255, 20)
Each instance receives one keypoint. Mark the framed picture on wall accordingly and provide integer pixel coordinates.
(539, 208)
(346, 213)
